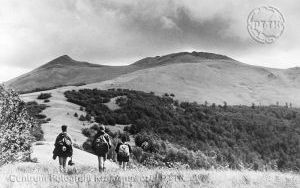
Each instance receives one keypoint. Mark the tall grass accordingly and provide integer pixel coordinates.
(28, 175)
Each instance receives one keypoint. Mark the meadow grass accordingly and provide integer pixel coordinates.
(31, 175)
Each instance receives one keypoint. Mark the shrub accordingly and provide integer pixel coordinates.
(87, 145)
(147, 142)
(110, 120)
(75, 114)
(123, 135)
(122, 119)
(126, 128)
(15, 133)
(82, 118)
(86, 132)
(46, 101)
(40, 116)
(43, 96)
(34, 110)
(38, 134)
(88, 117)
(137, 153)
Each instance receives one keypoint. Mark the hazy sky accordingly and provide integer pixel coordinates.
(33, 32)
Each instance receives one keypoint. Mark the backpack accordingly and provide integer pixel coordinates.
(101, 145)
(64, 142)
(124, 150)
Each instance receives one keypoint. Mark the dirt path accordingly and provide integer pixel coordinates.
(42, 151)
(61, 112)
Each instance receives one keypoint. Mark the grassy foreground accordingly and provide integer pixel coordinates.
(30, 175)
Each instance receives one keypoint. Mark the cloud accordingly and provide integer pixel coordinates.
(120, 32)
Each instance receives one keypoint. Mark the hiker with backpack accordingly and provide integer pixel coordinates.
(123, 151)
(101, 145)
(63, 148)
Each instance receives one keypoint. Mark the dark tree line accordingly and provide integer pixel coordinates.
(252, 135)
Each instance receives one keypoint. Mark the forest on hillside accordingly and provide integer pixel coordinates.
(255, 137)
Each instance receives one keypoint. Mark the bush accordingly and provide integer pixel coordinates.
(15, 133)
(34, 110)
(82, 118)
(147, 142)
(38, 133)
(87, 145)
(110, 120)
(88, 117)
(86, 132)
(137, 153)
(123, 136)
(46, 101)
(40, 116)
(43, 96)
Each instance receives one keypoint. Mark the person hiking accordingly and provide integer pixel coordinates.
(101, 145)
(63, 148)
(123, 151)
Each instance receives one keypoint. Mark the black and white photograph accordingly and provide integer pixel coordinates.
(149, 93)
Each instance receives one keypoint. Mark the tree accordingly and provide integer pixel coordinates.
(225, 105)
(82, 118)
(88, 117)
(44, 96)
(16, 123)
(205, 103)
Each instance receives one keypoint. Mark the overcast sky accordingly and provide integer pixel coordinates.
(114, 32)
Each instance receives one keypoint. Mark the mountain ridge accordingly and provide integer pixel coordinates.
(191, 76)
(64, 70)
